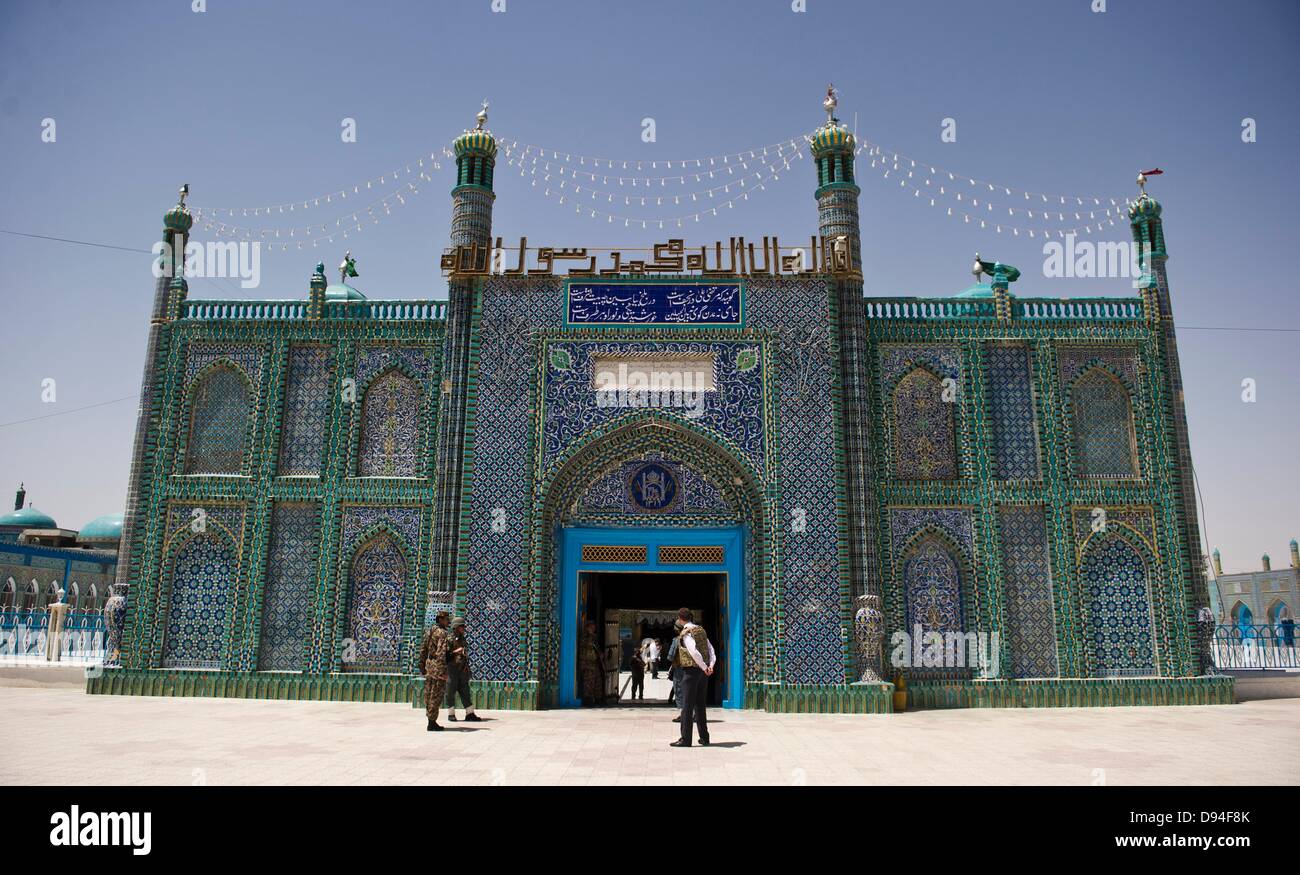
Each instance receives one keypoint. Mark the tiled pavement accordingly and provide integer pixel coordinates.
(67, 737)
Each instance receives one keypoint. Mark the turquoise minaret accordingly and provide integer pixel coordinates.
(471, 223)
(1149, 236)
(833, 149)
(169, 291)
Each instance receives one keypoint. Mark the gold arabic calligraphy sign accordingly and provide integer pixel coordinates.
(736, 258)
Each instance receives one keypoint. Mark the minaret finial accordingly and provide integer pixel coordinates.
(481, 117)
(977, 268)
(347, 268)
(830, 103)
(185, 192)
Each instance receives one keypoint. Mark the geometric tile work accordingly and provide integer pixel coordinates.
(246, 356)
(203, 575)
(924, 444)
(219, 423)
(405, 520)
(290, 588)
(932, 588)
(1010, 391)
(1027, 591)
(955, 522)
(1104, 441)
(306, 410)
(378, 580)
(390, 427)
(610, 494)
(1118, 609)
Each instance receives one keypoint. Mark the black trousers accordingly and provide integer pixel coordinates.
(638, 684)
(694, 691)
(458, 682)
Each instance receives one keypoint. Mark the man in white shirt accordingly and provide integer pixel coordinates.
(695, 661)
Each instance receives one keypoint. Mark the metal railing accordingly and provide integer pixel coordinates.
(25, 632)
(1256, 647)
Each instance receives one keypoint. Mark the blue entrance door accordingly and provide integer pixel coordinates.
(689, 551)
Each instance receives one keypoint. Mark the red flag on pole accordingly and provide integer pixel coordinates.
(1155, 172)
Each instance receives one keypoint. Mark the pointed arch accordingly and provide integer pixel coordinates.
(608, 445)
(221, 413)
(9, 594)
(378, 575)
(924, 439)
(1278, 610)
(1104, 440)
(92, 598)
(201, 577)
(934, 574)
(73, 597)
(1243, 618)
(1115, 576)
(389, 444)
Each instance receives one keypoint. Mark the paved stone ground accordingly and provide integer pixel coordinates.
(67, 737)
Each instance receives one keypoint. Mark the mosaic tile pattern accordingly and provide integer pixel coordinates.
(932, 588)
(219, 424)
(247, 356)
(290, 586)
(906, 522)
(1118, 608)
(378, 580)
(202, 578)
(310, 385)
(373, 359)
(1027, 591)
(390, 427)
(924, 444)
(1010, 392)
(1102, 426)
(610, 493)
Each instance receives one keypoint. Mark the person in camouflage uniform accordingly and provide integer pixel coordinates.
(458, 672)
(433, 660)
(591, 665)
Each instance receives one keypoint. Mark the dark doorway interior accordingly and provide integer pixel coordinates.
(629, 606)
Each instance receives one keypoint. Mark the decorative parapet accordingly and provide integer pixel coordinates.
(1007, 308)
(289, 310)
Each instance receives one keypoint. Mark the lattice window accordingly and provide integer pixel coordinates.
(306, 409)
(691, 555)
(203, 575)
(378, 584)
(924, 445)
(219, 424)
(932, 589)
(291, 568)
(1104, 441)
(1011, 403)
(390, 427)
(1119, 609)
(1027, 591)
(613, 553)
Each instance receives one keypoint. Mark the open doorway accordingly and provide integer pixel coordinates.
(633, 607)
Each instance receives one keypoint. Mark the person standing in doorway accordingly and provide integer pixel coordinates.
(655, 652)
(695, 661)
(433, 662)
(458, 672)
(591, 664)
(674, 673)
(638, 677)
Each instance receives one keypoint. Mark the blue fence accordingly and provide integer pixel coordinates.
(24, 632)
(1257, 647)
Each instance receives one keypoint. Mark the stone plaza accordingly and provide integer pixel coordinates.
(144, 740)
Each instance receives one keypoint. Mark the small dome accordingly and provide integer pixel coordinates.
(178, 218)
(475, 142)
(832, 136)
(1145, 207)
(28, 518)
(342, 292)
(979, 290)
(104, 528)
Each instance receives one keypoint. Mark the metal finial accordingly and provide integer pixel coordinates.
(481, 116)
(346, 267)
(830, 103)
(1142, 182)
(977, 268)
(185, 192)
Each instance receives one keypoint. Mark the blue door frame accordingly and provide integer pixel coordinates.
(731, 539)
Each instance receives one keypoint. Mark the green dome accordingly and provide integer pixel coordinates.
(178, 218)
(832, 137)
(342, 292)
(979, 290)
(28, 518)
(1145, 207)
(475, 142)
(104, 528)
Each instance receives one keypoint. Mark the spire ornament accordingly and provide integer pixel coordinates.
(830, 103)
(481, 116)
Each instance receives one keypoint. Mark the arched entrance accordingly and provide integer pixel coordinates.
(719, 557)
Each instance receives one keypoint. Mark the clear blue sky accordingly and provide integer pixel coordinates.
(244, 102)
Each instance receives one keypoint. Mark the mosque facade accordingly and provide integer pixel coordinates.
(981, 500)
